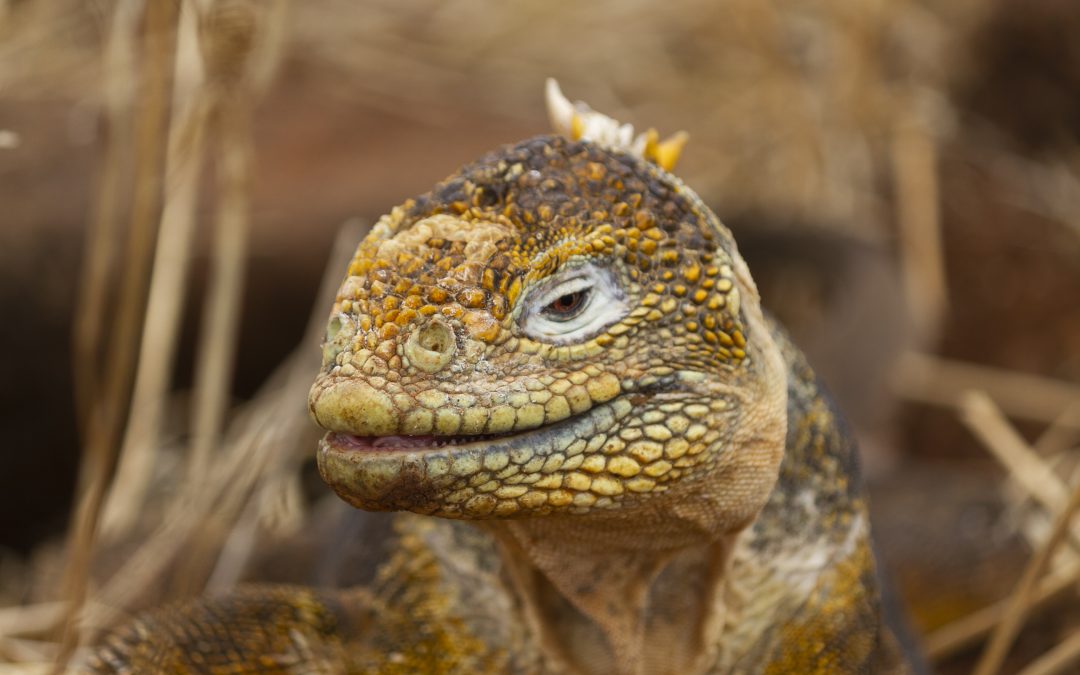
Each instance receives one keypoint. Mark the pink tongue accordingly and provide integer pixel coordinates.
(385, 442)
(402, 441)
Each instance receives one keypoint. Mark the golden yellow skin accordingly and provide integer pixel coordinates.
(671, 493)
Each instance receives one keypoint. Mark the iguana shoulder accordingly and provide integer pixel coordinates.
(813, 540)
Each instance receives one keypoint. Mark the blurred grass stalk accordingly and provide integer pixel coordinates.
(229, 38)
(1020, 601)
(168, 283)
(1003, 621)
(259, 448)
(915, 176)
(209, 60)
(107, 408)
(933, 380)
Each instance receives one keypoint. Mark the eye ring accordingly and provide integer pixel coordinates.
(574, 304)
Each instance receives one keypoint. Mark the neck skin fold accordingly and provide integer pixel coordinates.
(603, 602)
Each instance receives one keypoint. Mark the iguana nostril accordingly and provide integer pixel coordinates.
(431, 346)
(339, 332)
(436, 336)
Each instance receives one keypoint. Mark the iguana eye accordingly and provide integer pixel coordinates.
(566, 307)
(573, 305)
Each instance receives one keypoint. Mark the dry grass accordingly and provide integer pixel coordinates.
(831, 113)
(106, 406)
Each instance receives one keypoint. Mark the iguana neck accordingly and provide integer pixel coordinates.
(595, 603)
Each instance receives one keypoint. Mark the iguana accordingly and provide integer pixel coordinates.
(607, 457)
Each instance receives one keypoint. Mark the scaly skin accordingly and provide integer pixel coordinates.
(666, 490)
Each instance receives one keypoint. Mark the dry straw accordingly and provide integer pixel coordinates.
(200, 64)
(107, 410)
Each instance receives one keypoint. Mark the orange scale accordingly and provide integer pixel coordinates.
(389, 331)
(472, 298)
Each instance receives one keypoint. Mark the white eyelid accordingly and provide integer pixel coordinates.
(605, 305)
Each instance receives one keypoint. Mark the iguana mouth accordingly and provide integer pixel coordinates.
(393, 444)
(431, 473)
(397, 443)
(401, 444)
(344, 442)
(601, 455)
(380, 409)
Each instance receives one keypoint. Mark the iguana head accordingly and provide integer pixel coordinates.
(561, 327)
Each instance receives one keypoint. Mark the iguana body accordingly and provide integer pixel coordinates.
(559, 352)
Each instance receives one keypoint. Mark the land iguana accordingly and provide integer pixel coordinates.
(606, 457)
